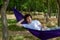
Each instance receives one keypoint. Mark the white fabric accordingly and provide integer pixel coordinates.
(35, 24)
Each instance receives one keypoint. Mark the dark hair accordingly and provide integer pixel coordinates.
(27, 15)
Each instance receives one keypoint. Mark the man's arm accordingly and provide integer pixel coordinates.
(44, 27)
(19, 23)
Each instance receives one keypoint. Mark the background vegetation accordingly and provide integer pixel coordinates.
(29, 5)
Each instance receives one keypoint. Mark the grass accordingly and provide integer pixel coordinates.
(19, 37)
(13, 26)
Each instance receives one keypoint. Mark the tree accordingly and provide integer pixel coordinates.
(58, 1)
(49, 8)
(4, 20)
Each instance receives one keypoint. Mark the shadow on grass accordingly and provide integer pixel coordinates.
(16, 28)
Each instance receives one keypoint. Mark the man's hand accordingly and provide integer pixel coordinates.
(19, 23)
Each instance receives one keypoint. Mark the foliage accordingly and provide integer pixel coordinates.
(1, 2)
(35, 5)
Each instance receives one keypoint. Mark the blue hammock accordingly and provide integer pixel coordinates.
(43, 35)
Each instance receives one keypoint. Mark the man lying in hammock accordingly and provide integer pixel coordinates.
(32, 24)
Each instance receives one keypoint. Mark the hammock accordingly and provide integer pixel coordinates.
(43, 35)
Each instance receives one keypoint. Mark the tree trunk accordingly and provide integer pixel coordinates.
(46, 14)
(49, 8)
(57, 11)
(4, 20)
(58, 1)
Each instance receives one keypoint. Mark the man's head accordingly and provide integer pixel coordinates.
(28, 18)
